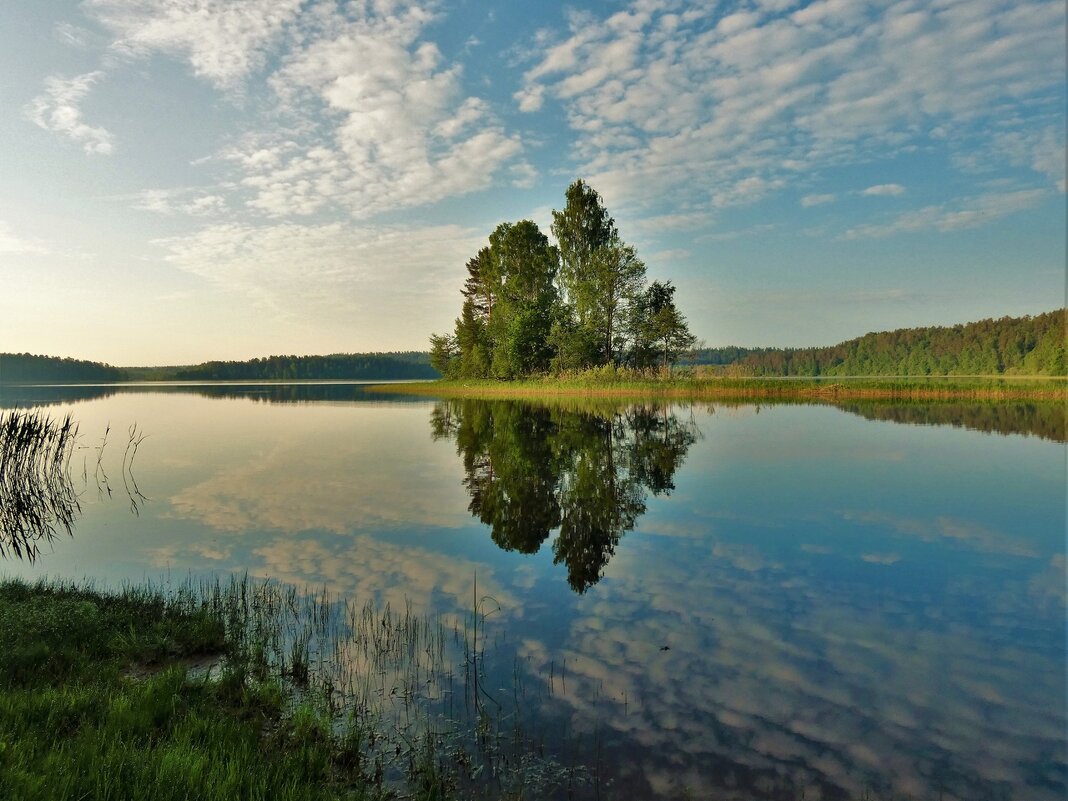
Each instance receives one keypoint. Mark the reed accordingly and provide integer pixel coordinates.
(361, 695)
(37, 496)
(628, 384)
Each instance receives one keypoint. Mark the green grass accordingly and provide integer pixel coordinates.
(96, 703)
(307, 698)
(701, 385)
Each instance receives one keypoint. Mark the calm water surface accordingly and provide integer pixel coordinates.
(767, 602)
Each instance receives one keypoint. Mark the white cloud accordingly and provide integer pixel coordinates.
(362, 114)
(745, 191)
(968, 214)
(224, 40)
(401, 131)
(58, 110)
(683, 221)
(11, 243)
(673, 254)
(691, 109)
(331, 271)
(172, 201)
(728, 236)
(1043, 150)
(808, 201)
(884, 190)
(383, 124)
(72, 35)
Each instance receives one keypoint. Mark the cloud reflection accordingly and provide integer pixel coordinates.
(779, 680)
(334, 484)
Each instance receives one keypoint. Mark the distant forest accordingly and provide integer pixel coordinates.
(370, 366)
(1009, 345)
(24, 368)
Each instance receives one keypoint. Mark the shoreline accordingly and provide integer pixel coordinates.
(997, 389)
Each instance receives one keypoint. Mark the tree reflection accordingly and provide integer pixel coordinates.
(530, 470)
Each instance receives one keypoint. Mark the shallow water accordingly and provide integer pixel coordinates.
(774, 601)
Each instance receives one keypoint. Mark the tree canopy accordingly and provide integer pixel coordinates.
(533, 306)
(1009, 345)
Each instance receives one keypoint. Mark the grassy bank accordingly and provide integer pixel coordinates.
(250, 690)
(97, 700)
(627, 385)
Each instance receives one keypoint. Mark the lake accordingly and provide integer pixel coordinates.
(695, 601)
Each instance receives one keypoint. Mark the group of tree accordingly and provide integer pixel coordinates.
(531, 470)
(1025, 345)
(1009, 345)
(340, 366)
(25, 368)
(532, 306)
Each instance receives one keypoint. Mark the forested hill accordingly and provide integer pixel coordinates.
(1009, 345)
(24, 368)
(352, 366)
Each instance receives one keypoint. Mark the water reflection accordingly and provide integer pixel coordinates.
(38, 497)
(532, 469)
(791, 604)
(16, 396)
(1045, 420)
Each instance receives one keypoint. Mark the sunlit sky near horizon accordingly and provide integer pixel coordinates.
(182, 180)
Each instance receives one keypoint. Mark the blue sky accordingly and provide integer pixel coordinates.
(191, 179)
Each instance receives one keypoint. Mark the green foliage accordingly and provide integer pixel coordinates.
(341, 366)
(16, 368)
(96, 702)
(531, 307)
(1009, 345)
(52, 633)
(24, 368)
(660, 330)
(581, 230)
(443, 354)
(525, 264)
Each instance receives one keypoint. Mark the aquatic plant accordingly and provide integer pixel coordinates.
(37, 496)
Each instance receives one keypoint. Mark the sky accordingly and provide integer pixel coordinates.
(184, 180)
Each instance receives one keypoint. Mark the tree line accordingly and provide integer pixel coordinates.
(1009, 345)
(531, 306)
(22, 368)
(371, 366)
